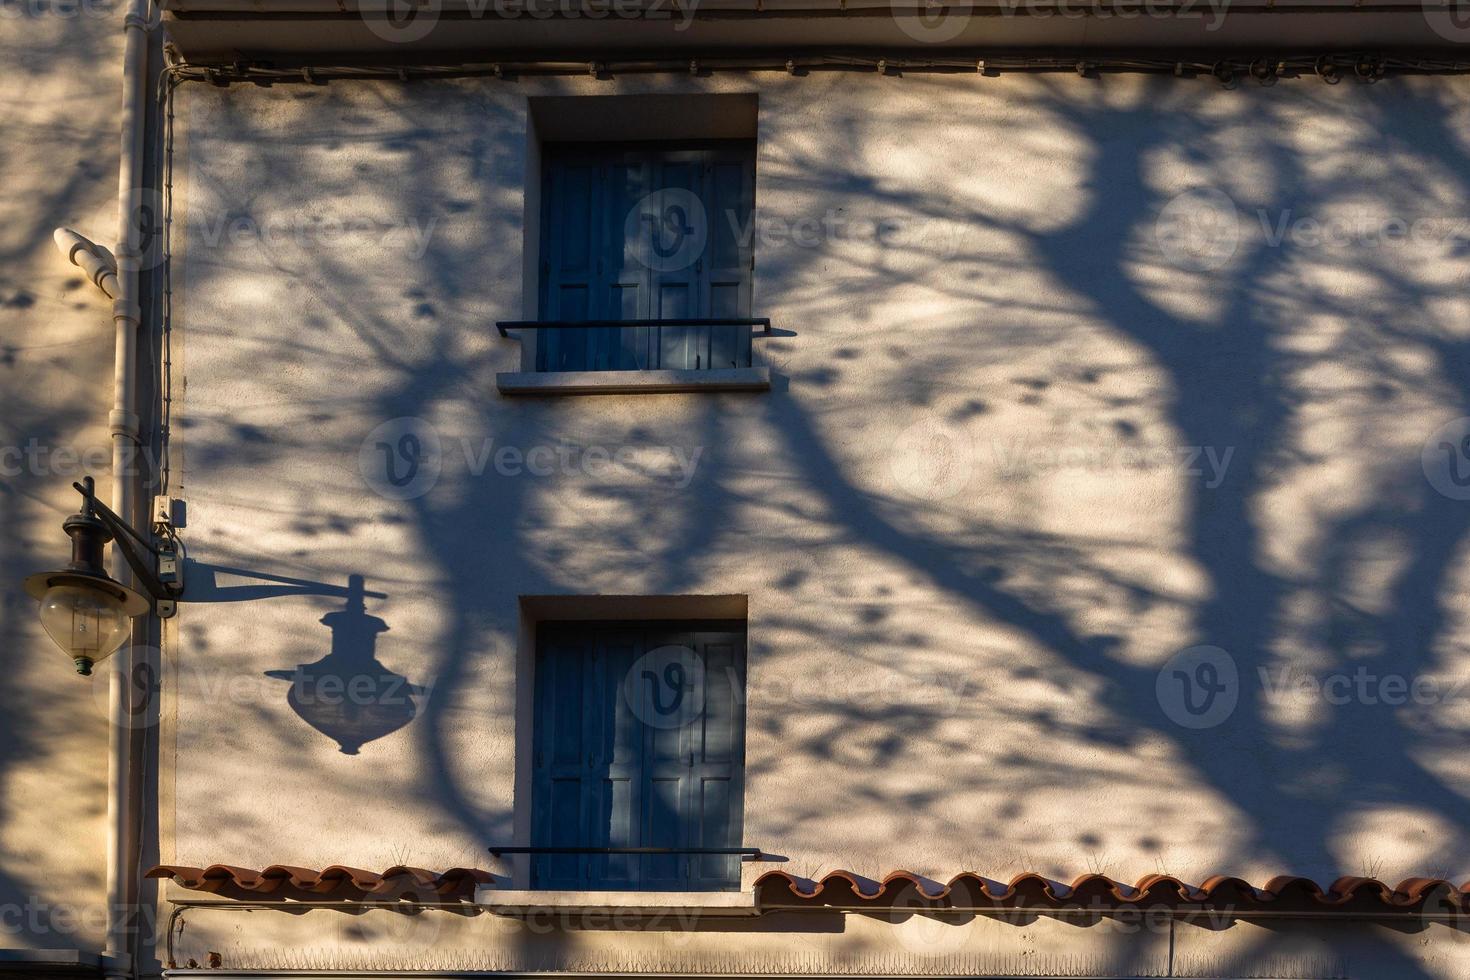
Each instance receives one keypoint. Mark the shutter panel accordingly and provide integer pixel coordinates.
(730, 189)
(564, 791)
(665, 777)
(571, 290)
(592, 269)
(628, 278)
(678, 289)
(717, 792)
(619, 761)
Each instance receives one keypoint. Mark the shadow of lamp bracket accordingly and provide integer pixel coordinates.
(84, 610)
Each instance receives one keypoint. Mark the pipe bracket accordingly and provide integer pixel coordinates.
(123, 423)
(127, 310)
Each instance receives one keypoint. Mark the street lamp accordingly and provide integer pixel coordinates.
(83, 609)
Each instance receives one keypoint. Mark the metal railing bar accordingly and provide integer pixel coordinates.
(761, 321)
(753, 853)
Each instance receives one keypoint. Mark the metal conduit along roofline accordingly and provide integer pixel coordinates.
(219, 31)
(1330, 67)
(731, 9)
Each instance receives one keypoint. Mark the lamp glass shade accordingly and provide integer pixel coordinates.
(89, 624)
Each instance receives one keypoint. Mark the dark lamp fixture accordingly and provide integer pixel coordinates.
(86, 611)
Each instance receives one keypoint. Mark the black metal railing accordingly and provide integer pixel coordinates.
(763, 322)
(746, 853)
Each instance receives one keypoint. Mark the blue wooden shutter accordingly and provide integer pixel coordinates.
(567, 733)
(625, 293)
(717, 762)
(574, 189)
(665, 780)
(678, 291)
(608, 270)
(604, 778)
(730, 202)
(617, 761)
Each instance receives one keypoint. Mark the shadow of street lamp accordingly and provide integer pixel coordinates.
(348, 695)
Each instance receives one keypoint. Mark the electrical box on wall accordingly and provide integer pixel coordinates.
(170, 511)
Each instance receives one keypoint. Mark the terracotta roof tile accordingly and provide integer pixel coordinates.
(1032, 891)
(338, 881)
(900, 889)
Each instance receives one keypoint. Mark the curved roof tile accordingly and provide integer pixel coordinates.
(1031, 890)
(898, 889)
(337, 880)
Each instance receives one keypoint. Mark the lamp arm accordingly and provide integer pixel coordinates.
(110, 518)
(136, 561)
(121, 533)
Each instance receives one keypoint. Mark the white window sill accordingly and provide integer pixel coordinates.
(632, 382)
(505, 901)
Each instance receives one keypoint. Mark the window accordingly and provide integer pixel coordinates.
(646, 231)
(639, 742)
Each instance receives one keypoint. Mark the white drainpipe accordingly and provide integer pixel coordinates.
(117, 277)
(122, 808)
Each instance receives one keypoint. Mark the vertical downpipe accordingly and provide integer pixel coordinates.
(123, 422)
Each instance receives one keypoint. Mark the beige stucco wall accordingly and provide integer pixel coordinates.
(1022, 450)
(58, 110)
